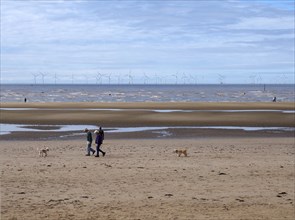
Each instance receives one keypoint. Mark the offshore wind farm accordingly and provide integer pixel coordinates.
(178, 78)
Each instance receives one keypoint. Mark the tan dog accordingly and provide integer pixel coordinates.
(181, 151)
(43, 152)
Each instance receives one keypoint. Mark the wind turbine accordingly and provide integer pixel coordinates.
(72, 78)
(176, 77)
(156, 78)
(193, 79)
(98, 78)
(184, 77)
(55, 78)
(162, 79)
(43, 76)
(252, 79)
(259, 79)
(35, 75)
(145, 78)
(221, 78)
(119, 78)
(130, 78)
(109, 77)
(284, 78)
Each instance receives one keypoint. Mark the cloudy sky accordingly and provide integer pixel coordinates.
(152, 41)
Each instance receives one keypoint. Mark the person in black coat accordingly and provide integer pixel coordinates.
(98, 141)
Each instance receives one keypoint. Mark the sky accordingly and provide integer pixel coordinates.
(147, 41)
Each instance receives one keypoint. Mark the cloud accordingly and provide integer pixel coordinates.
(265, 23)
(155, 36)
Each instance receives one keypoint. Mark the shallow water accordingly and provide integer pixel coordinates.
(8, 128)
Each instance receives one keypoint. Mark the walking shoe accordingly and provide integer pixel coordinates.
(104, 153)
(87, 155)
(96, 156)
(93, 152)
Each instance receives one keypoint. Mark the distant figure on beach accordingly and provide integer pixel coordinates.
(89, 142)
(98, 141)
(274, 99)
(25, 100)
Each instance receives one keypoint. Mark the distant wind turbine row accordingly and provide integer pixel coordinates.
(99, 78)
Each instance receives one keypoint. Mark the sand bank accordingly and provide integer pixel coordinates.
(237, 178)
(139, 114)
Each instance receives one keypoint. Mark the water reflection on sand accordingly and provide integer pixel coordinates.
(9, 128)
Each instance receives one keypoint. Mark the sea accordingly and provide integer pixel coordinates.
(142, 93)
(147, 93)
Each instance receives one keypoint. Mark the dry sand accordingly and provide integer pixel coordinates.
(237, 178)
(228, 175)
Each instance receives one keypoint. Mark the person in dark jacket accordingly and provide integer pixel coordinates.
(274, 99)
(102, 133)
(89, 142)
(98, 141)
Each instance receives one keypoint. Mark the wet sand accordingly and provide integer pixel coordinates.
(137, 114)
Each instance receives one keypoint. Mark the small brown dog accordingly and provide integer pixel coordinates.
(181, 151)
(43, 152)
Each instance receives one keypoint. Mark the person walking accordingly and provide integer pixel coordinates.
(102, 133)
(274, 99)
(89, 142)
(98, 141)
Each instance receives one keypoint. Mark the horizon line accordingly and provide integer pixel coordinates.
(144, 84)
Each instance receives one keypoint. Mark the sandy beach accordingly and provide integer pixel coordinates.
(227, 175)
(235, 178)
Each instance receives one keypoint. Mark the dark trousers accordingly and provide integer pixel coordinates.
(99, 150)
